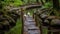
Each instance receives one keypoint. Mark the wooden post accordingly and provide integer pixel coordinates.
(22, 20)
(49, 27)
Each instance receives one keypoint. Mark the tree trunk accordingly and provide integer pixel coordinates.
(22, 0)
(46, 0)
(0, 5)
(28, 1)
(42, 2)
(37, 1)
(56, 4)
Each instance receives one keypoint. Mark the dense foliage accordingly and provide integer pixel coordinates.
(8, 19)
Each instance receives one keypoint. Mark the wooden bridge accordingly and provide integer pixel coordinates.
(28, 23)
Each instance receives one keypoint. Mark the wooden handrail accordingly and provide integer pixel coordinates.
(26, 7)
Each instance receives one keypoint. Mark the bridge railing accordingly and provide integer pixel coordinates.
(43, 20)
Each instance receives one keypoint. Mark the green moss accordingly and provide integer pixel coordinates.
(48, 5)
(45, 30)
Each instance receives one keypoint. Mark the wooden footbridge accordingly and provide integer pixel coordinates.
(29, 24)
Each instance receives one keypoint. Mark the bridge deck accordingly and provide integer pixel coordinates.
(29, 26)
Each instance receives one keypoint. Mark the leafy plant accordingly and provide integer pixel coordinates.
(17, 3)
(12, 2)
(48, 5)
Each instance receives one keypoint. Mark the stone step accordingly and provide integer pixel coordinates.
(29, 23)
(30, 26)
(30, 20)
(33, 28)
(33, 32)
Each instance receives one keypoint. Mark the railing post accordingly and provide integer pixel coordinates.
(22, 20)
